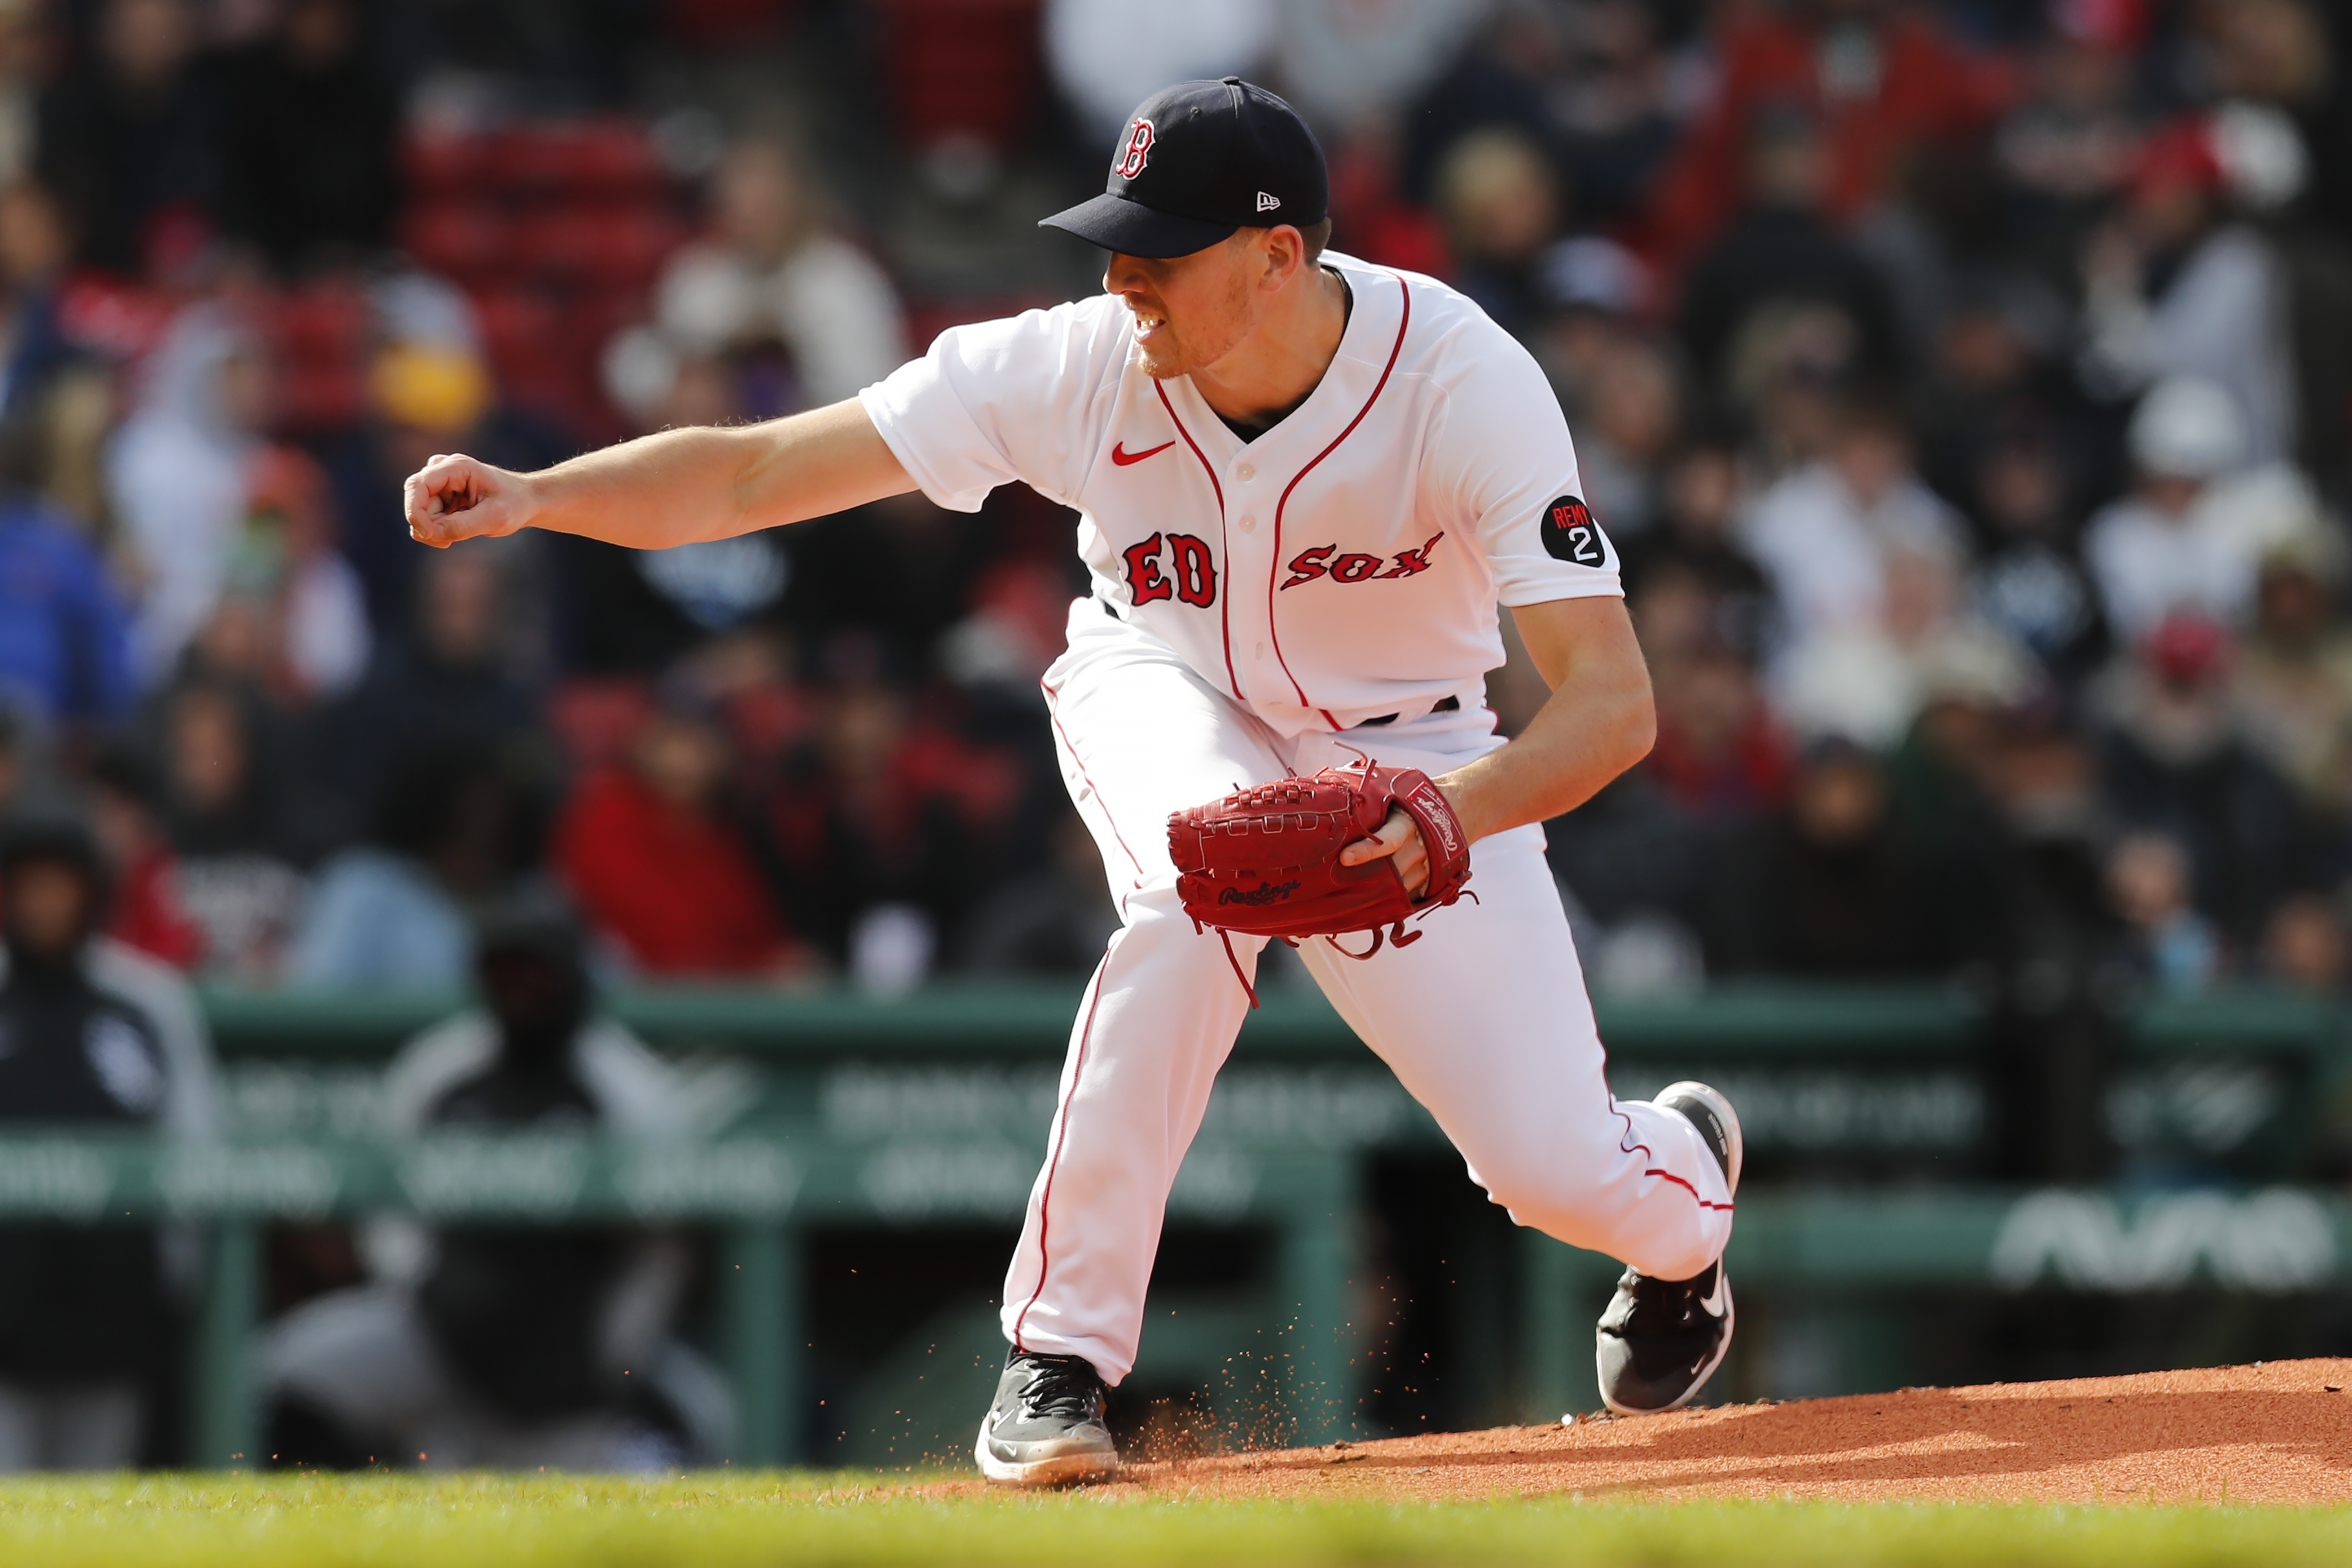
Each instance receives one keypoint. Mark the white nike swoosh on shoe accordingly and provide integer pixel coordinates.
(1720, 1296)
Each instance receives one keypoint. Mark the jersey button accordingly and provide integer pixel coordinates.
(1248, 523)
(1244, 472)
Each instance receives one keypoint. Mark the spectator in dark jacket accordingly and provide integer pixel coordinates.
(509, 1346)
(1831, 888)
(446, 685)
(1055, 921)
(308, 133)
(235, 825)
(1780, 253)
(127, 137)
(98, 1039)
(2173, 761)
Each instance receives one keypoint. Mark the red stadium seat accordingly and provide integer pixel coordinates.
(612, 159)
(320, 396)
(591, 158)
(968, 66)
(320, 335)
(442, 164)
(323, 322)
(543, 349)
(610, 245)
(726, 24)
(555, 243)
(598, 311)
(467, 240)
(521, 331)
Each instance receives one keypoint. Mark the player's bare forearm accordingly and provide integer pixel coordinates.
(677, 487)
(1599, 721)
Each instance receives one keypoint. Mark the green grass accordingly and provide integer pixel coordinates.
(782, 1522)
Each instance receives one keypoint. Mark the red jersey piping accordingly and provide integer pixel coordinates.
(1225, 546)
(1405, 293)
(1053, 712)
(1054, 1162)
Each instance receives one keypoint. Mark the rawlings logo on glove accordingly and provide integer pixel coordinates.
(1265, 861)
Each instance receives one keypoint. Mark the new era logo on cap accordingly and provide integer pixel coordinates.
(1198, 161)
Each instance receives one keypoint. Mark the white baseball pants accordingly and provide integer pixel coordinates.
(1484, 1021)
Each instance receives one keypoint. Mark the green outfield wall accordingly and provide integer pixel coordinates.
(1876, 1120)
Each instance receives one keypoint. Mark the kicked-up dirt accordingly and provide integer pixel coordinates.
(2277, 1432)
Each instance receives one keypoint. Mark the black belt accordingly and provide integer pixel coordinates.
(1442, 705)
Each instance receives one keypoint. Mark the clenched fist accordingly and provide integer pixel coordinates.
(455, 497)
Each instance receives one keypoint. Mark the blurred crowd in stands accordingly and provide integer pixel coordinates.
(1967, 387)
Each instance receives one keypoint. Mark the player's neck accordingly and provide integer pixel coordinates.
(1274, 369)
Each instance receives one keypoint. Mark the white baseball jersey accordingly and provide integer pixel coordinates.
(1344, 565)
(1266, 595)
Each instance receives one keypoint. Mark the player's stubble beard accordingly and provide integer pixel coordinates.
(1206, 333)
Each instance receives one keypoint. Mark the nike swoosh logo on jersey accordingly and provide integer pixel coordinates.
(1122, 457)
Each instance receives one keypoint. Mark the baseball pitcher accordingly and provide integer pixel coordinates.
(1304, 484)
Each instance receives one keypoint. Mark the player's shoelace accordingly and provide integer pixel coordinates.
(1668, 1306)
(1061, 1386)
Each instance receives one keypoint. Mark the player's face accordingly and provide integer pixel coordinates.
(1190, 311)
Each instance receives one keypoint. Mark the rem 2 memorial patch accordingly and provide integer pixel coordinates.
(1571, 534)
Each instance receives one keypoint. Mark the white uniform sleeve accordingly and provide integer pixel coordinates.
(991, 403)
(428, 1066)
(637, 1093)
(192, 1098)
(1501, 460)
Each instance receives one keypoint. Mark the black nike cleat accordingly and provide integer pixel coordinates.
(1661, 1340)
(1046, 1426)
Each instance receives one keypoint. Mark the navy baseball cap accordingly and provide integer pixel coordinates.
(1198, 161)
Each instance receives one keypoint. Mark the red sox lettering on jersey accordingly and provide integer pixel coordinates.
(1343, 565)
(1355, 566)
(1194, 567)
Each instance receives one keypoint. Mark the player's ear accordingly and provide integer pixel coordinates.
(1285, 251)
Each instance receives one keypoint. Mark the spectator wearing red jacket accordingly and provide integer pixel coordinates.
(652, 857)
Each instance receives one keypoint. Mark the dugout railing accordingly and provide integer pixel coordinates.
(1883, 1135)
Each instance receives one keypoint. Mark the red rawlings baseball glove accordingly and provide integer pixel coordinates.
(1265, 861)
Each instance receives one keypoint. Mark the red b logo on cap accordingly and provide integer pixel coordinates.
(1136, 154)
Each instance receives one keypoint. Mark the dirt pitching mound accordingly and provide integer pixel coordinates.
(2279, 1432)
